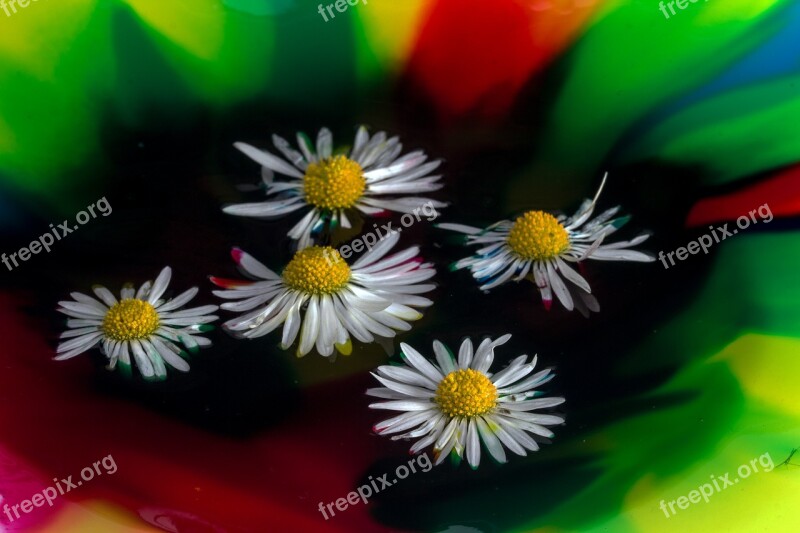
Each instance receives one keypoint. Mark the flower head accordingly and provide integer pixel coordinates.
(454, 405)
(540, 246)
(370, 179)
(326, 300)
(140, 325)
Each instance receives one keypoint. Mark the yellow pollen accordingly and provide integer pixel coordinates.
(466, 393)
(130, 319)
(537, 236)
(334, 183)
(317, 270)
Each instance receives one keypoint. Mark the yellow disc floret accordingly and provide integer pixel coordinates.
(537, 236)
(130, 319)
(334, 183)
(317, 270)
(466, 393)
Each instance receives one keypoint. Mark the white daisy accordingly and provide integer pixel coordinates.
(454, 404)
(539, 246)
(140, 324)
(368, 179)
(371, 298)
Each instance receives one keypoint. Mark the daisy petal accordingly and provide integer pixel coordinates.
(268, 160)
(415, 359)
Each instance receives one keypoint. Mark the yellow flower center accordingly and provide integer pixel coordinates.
(334, 183)
(466, 393)
(537, 236)
(130, 319)
(317, 270)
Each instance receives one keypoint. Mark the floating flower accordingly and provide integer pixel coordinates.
(373, 297)
(539, 246)
(453, 405)
(140, 324)
(367, 179)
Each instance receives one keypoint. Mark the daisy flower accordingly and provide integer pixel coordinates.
(368, 178)
(455, 404)
(540, 246)
(326, 300)
(140, 325)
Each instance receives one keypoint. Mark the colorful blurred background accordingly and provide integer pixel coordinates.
(686, 374)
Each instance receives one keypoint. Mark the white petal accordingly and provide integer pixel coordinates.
(407, 375)
(408, 161)
(350, 322)
(490, 440)
(160, 285)
(252, 266)
(408, 390)
(306, 147)
(363, 299)
(446, 434)
(269, 209)
(172, 359)
(377, 252)
(159, 369)
(84, 342)
(465, 354)
(401, 422)
(81, 322)
(77, 332)
(559, 288)
(324, 143)
(178, 301)
(415, 359)
(362, 137)
(444, 358)
(473, 446)
(292, 155)
(504, 436)
(327, 328)
(105, 295)
(461, 228)
(572, 276)
(308, 337)
(82, 309)
(88, 300)
(512, 373)
(484, 356)
(529, 405)
(517, 434)
(404, 405)
(389, 262)
(534, 381)
(305, 225)
(292, 325)
(144, 290)
(189, 321)
(604, 254)
(191, 312)
(127, 292)
(142, 360)
(268, 160)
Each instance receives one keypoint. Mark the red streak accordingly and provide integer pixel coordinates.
(780, 192)
(55, 425)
